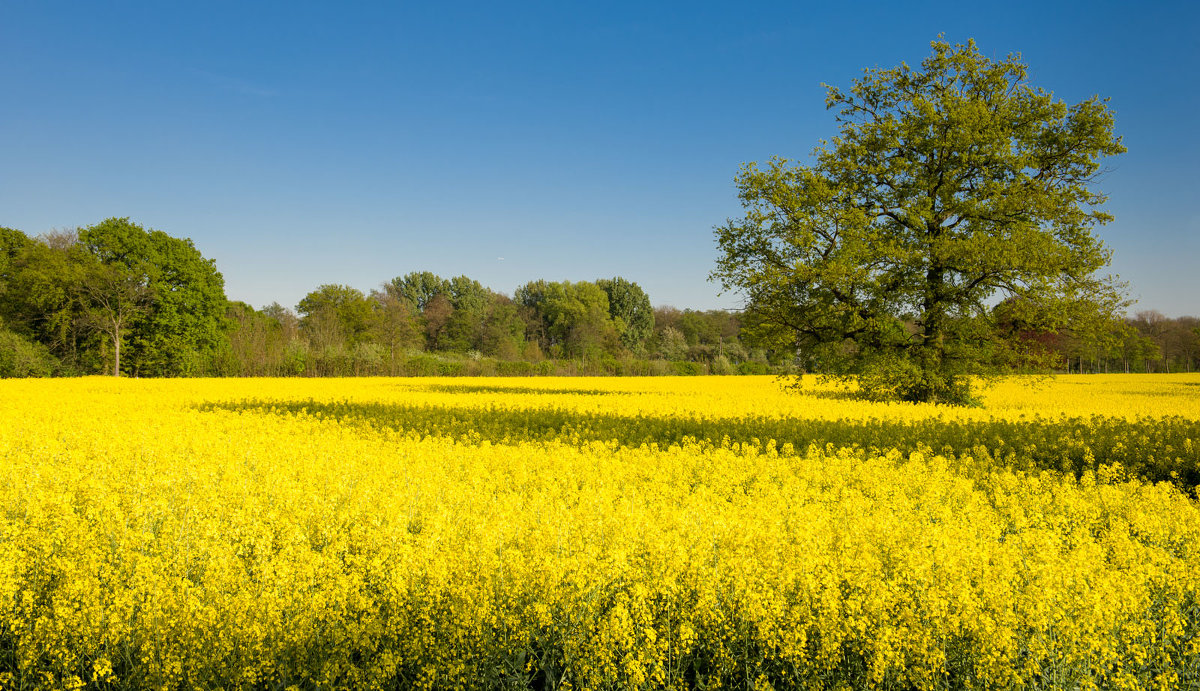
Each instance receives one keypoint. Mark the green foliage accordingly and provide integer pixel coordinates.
(335, 315)
(946, 188)
(12, 244)
(40, 284)
(395, 323)
(687, 369)
(260, 343)
(672, 345)
(629, 306)
(417, 287)
(116, 298)
(21, 357)
(469, 303)
(568, 319)
(185, 295)
(503, 331)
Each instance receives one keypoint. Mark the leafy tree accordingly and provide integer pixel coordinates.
(187, 319)
(394, 322)
(457, 321)
(947, 188)
(464, 328)
(436, 315)
(117, 296)
(287, 320)
(530, 298)
(569, 319)
(1138, 347)
(1093, 336)
(706, 334)
(711, 327)
(12, 244)
(42, 298)
(1182, 341)
(335, 316)
(184, 316)
(672, 345)
(503, 334)
(417, 287)
(258, 341)
(629, 306)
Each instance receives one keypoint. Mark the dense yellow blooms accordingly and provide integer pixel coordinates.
(596, 533)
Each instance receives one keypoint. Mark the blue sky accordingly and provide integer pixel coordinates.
(306, 143)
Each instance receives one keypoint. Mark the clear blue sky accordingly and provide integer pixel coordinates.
(305, 143)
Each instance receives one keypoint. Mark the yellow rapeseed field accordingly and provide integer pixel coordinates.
(597, 533)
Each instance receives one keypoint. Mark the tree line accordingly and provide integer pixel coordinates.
(121, 299)
(117, 298)
(1147, 342)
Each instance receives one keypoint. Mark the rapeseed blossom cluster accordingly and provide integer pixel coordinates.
(596, 533)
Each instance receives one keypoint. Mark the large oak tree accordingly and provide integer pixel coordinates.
(946, 190)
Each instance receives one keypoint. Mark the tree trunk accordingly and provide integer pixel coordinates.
(117, 351)
(936, 380)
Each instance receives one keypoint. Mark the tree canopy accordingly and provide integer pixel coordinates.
(946, 190)
(180, 292)
(630, 309)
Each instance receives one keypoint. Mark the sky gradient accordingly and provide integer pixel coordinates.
(307, 143)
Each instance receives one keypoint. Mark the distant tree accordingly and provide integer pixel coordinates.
(21, 352)
(708, 327)
(418, 287)
(666, 315)
(335, 316)
(1023, 344)
(1182, 341)
(287, 320)
(1136, 347)
(436, 316)
(947, 187)
(629, 308)
(530, 298)
(395, 323)
(1154, 325)
(503, 333)
(258, 341)
(706, 334)
(12, 244)
(672, 345)
(470, 301)
(1174, 339)
(568, 319)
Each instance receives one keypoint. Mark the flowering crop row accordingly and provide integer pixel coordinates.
(390, 534)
